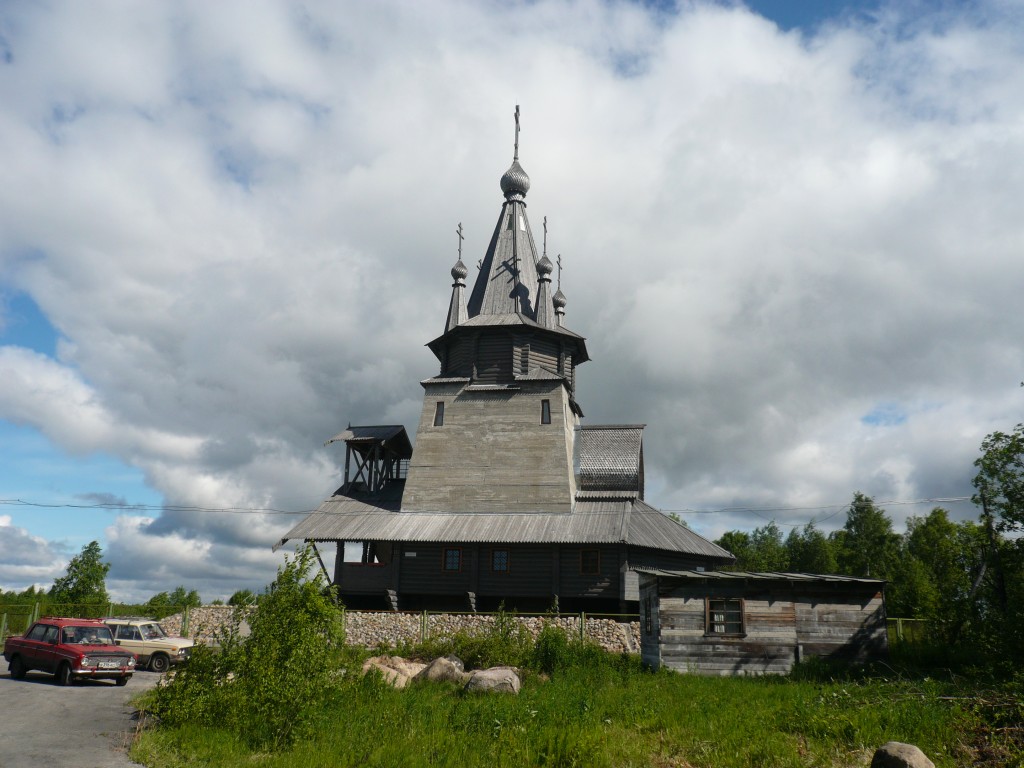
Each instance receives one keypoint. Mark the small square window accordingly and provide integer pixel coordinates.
(453, 559)
(499, 560)
(545, 411)
(590, 562)
(439, 414)
(724, 616)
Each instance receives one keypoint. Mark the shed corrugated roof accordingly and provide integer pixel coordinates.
(760, 576)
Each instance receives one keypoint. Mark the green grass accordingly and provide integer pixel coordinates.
(611, 712)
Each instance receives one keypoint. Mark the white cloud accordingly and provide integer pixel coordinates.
(240, 218)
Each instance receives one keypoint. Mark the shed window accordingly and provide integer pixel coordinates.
(453, 559)
(439, 414)
(545, 411)
(724, 616)
(499, 560)
(590, 562)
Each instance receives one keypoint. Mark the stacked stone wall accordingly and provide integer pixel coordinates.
(372, 629)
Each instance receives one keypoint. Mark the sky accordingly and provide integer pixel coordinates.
(791, 235)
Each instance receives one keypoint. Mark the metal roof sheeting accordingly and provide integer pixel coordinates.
(625, 521)
(761, 576)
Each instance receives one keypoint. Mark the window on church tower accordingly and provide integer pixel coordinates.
(545, 411)
(439, 414)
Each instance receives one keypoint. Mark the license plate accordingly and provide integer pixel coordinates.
(109, 665)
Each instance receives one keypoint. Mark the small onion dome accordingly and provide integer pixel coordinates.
(459, 271)
(558, 299)
(515, 183)
(545, 267)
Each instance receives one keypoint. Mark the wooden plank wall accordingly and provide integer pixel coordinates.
(492, 454)
(781, 625)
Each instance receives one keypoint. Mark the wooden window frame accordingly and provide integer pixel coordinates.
(439, 413)
(740, 607)
(597, 570)
(444, 560)
(508, 561)
(545, 411)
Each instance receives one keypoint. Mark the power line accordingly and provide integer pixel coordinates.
(156, 508)
(833, 509)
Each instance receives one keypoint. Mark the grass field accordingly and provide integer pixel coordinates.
(612, 712)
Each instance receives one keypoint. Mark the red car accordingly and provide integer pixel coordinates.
(71, 650)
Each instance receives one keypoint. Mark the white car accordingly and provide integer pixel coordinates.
(146, 639)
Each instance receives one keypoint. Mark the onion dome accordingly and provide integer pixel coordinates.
(558, 300)
(544, 266)
(459, 271)
(515, 183)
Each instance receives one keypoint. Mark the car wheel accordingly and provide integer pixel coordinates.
(64, 674)
(18, 668)
(158, 662)
(123, 680)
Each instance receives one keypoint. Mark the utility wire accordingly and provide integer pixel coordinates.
(762, 512)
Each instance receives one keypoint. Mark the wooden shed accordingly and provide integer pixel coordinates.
(745, 623)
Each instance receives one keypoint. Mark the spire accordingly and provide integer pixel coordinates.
(507, 281)
(545, 309)
(558, 300)
(457, 308)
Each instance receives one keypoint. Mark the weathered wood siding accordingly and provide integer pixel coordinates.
(853, 628)
(781, 625)
(651, 558)
(650, 624)
(492, 454)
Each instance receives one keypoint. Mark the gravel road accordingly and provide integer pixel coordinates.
(86, 726)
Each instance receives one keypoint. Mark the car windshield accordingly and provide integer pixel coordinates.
(152, 631)
(87, 635)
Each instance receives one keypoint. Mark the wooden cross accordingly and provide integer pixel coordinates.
(545, 236)
(559, 260)
(459, 233)
(516, 156)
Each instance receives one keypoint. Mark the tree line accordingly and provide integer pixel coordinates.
(966, 578)
(84, 585)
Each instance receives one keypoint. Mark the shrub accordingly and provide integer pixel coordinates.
(266, 687)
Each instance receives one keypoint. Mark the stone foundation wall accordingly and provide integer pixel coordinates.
(370, 629)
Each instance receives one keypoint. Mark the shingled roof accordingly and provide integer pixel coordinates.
(610, 457)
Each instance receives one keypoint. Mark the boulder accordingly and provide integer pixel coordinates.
(442, 669)
(395, 670)
(499, 679)
(894, 754)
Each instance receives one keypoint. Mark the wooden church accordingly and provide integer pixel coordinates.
(507, 497)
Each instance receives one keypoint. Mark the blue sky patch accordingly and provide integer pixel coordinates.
(32, 469)
(885, 415)
(23, 324)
